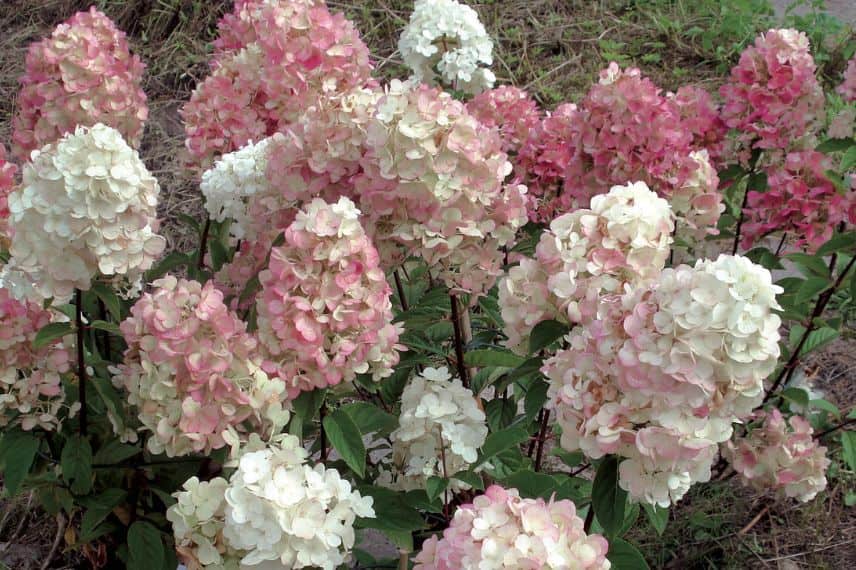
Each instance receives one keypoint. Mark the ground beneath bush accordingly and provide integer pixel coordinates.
(554, 49)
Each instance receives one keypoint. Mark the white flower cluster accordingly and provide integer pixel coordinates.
(662, 372)
(440, 430)
(87, 205)
(445, 41)
(234, 179)
(622, 239)
(274, 512)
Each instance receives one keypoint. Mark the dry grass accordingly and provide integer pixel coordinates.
(553, 48)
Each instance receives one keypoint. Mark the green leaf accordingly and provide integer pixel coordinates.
(111, 328)
(435, 486)
(98, 509)
(499, 441)
(764, 257)
(657, 516)
(345, 437)
(531, 484)
(17, 451)
(834, 145)
(219, 254)
(370, 418)
(809, 264)
(631, 514)
(304, 408)
(76, 463)
(51, 332)
(608, 499)
(536, 396)
(839, 242)
(395, 514)
(848, 447)
(114, 451)
(811, 287)
(474, 480)
(818, 338)
(796, 395)
(625, 556)
(145, 547)
(109, 298)
(111, 399)
(493, 357)
(569, 458)
(169, 263)
(849, 159)
(826, 406)
(546, 333)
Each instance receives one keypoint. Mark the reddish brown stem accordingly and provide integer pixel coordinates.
(459, 341)
(81, 360)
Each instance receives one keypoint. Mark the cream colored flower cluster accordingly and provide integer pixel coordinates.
(433, 183)
(446, 42)
(273, 512)
(87, 205)
(440, 431)
(622, 239)
(663, 370)
(233, 180)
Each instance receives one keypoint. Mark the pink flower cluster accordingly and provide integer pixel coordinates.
(499, 529)
(433, 184)
(701, 117)
(626, 130)
(847, 89)
(780, 455)
(324, 313)
(511, 110)
(622, 240)
(661, 372)
(800, 200)
(31, 392)
(543, 160)
(191, 371)
(773, 96)
(82, 75)
(7, 184)
(273, 60)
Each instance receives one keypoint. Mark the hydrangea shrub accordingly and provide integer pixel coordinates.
(427, 307)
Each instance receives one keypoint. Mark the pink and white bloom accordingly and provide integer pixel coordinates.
(324, 311)
(661, 371)
(82, 75)
(31, 391)
(622, 240)
(773, 96)
(499, 529)
(780, 456)
(274, 59)
(192, 373)
(433, 185)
